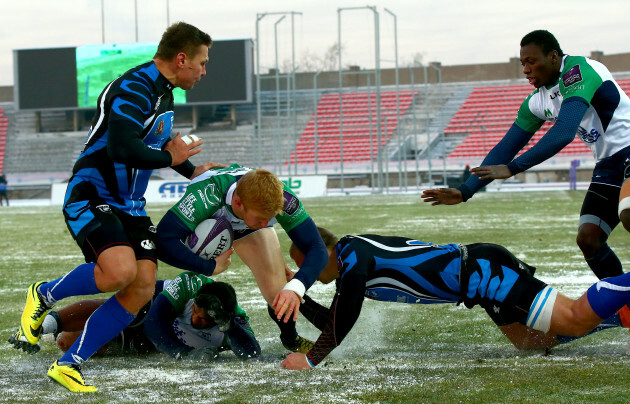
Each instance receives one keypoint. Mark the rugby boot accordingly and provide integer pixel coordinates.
(70, 377)
(35, 309)
(299, 344)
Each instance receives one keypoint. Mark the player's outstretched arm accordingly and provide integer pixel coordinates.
(495, 172)
(442, 196)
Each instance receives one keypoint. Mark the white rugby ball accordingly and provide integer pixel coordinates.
(211, 238)
(188, 139)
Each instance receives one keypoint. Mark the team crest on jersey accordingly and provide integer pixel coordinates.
(159, 129)
(210, 192)
(573, 76)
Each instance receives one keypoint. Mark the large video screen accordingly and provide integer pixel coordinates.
(73, 78)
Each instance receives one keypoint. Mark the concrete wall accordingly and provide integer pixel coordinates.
(6, 93)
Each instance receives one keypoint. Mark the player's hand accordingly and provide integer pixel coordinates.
(497, 172)
(223, 261)
(288, 273)
(286, 303)
(442, 196)
(205, 167)
(296, 361)
(180, 151)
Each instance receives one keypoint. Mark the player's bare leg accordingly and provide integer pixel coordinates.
(261, 252)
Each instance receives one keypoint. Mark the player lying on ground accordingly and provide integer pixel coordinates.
(191, 316)
(397, 269)
(252, 201)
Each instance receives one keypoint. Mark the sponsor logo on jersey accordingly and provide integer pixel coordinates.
(173, 288)
(548, 113)
(588, 137)
(554, 95)
(104, 208)
(291, 203)
(572, 76)
(203, 198)
(147, 244)
(187, 207)
(158, 102)
(152, 229)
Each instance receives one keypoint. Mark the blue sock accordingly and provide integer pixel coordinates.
(611, 322)
(102, 326)
(80, 281)
(607, 296)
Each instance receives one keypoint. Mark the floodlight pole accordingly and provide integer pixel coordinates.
(103, 20)
(135, 6)
(377, 68)
(168, 14)
(260, 16)
(275, 37)
(398, 101)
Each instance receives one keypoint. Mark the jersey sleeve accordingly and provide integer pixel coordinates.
(171, 236)
(201, 200)
(158, 327)
(579, 79)
(130, 107)
(293, 213)
(526, 120)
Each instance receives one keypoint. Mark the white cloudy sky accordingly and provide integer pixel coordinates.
(449, 31)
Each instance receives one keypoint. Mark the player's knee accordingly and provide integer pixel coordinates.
(588, 242)
(119, 278)
(624, 216)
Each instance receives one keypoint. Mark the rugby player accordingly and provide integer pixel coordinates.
(253, 200)
(530, 313)
(579, 96)
(190, 316)
(104, 207)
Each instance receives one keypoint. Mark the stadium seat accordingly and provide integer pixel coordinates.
(487, 115)
(358, 111)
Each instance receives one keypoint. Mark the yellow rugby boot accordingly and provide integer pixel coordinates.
(27, 336)
(70, 377)
(299, 344)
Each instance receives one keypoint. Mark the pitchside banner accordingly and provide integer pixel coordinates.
(171, 191)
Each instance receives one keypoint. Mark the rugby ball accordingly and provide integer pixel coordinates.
(211, 238)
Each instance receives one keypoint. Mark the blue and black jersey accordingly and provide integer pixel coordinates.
(404, 270)
(125, 143)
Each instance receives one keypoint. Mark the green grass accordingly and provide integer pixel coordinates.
(395, 354)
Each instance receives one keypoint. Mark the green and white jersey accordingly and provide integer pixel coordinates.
(181, 292)
(211, 193)
(605, 128)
